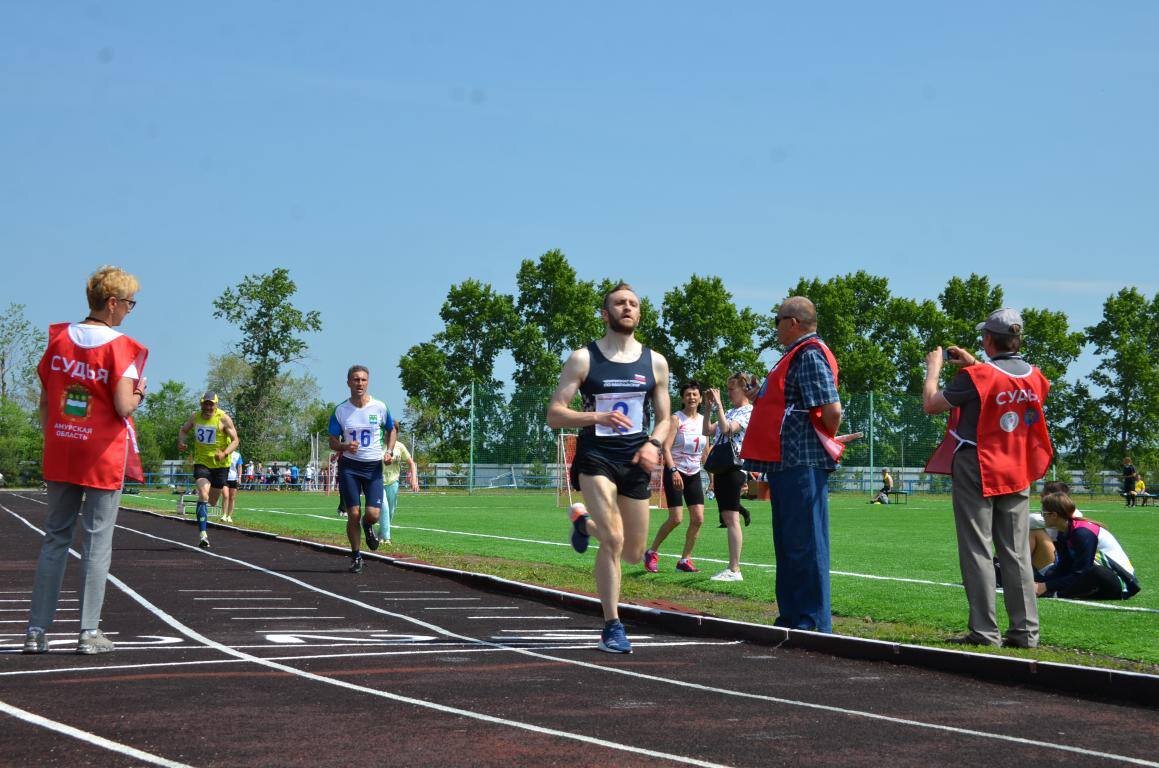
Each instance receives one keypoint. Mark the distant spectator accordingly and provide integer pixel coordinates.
(1091, 564)
(882, 496)
(294, 474)
(1130, 474)
(1138, 491)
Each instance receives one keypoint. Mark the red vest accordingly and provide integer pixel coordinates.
(1013, 443)
(85, 441)
(762, 440)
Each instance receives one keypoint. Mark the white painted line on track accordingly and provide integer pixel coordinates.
(284, 618)
(228, 591)
(265, 608)
(430, 599)
(189, 632)
(25, 621)
(509, 618)
(641, 676)
(471, 608)
(89, 738)
(244, 598)
(405, 592)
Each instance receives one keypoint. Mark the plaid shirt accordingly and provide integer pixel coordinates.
(808, 384)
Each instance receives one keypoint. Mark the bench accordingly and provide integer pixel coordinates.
(896, 494)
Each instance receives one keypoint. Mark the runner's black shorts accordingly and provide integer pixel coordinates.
(692, 494)
(360, 478)
(631, 481)
(217, 476)
(231, 484)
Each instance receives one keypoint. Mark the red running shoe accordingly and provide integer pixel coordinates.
(651, 561)
(685, 564)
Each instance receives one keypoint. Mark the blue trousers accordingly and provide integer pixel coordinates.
(390, 491)
(800, 500)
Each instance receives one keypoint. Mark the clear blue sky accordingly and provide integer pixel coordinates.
(384, 151)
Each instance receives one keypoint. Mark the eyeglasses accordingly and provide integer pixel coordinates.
(131, 302)
(778, 318)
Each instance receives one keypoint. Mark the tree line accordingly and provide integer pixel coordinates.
(880, 339)
(451, 380)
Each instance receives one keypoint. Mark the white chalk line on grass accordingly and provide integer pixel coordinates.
(189, 632)
(1101, 605)
(625, 672)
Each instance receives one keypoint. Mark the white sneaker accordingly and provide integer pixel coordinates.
(728, 575)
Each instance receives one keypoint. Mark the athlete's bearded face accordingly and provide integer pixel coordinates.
(622, 311)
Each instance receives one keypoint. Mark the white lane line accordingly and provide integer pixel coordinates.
(265, 599)
(587, 665)
(281, 618)
(89, 738)
(29, 600)
(25, 610)
(226, 591)
(25, 621)
(265, 608)
(652, 678)
(431, 599)
(508, 618)
(405, 592)
(472, 608)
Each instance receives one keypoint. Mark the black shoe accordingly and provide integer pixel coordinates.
(371, 540)
(722, 525)
(356, 564)
(745, 514)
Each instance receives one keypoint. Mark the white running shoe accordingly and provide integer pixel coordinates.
(728, 575)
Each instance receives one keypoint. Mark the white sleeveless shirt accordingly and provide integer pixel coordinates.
(688, 445)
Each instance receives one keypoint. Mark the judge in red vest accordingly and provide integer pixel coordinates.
(996, 445)
(91, 382)
(791, 438)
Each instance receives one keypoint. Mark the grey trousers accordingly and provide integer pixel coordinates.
(97, 511)
(1005, 521)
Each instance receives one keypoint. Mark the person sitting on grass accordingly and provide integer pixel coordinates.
(1091, 565)
(882, 496)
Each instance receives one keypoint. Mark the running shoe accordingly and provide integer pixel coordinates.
(651, 561)
(93, 641)
(727, 575)
(35, 641)
(341, 510)
(356, 564)
(613, 639)
(203, 540)
(371, 540)
(685, 564)
(745, 514)
(579, 525)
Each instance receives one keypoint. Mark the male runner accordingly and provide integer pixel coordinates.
(622, 382)
(363, 433)
(214, 439)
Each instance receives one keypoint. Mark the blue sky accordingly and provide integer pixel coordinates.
(382, 152)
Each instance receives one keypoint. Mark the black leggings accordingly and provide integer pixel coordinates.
(727, 487)
(1097, 582)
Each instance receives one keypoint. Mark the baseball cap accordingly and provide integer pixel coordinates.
(209, 397)
(1005, 321)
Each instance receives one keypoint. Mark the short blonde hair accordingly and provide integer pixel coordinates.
(109, 281)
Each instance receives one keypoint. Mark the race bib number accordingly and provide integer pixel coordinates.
(693, 444)
(206, 435)
(631, 404)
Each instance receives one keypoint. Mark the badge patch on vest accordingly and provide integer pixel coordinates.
(76, 401)
(1008, 421)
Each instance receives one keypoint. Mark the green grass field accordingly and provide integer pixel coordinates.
(895, 571)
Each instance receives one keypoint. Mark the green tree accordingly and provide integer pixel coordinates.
(158, 419)
(1125, 341)
(270, 328)
(21, 345)
(21, 442)
(704, 335)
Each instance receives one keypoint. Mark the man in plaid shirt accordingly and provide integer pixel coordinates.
(799, 480)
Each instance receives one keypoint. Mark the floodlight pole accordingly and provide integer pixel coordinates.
(471, 454)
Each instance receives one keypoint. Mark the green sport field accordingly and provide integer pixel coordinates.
(895, 568)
